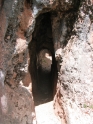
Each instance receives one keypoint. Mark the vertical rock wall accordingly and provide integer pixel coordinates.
(16, 103)
(74, 97)
(17, 21)
(72, 35)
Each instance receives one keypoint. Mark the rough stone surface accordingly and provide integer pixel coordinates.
(17, 106)
(74, 94)
(72, 31)
(17, 21)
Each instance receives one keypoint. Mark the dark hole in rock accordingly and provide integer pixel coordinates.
(43, 68)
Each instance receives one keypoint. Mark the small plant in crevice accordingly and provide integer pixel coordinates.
(88, 106)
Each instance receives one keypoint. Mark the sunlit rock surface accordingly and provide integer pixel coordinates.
(72, 32)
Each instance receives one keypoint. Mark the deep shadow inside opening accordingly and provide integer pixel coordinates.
(44, 82)
(43, 67)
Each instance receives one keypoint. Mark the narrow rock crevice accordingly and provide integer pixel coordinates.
(46, 60)
(43, 66)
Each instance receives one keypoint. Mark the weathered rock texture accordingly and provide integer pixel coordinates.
(75, 80)
(72, 32)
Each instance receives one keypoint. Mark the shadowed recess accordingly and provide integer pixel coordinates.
(42, 67)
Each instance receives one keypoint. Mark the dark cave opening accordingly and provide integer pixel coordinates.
(43, 66)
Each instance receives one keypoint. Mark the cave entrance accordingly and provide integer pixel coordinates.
(42, 67)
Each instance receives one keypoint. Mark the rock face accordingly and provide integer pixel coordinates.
(75, 88)
(72, 32)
